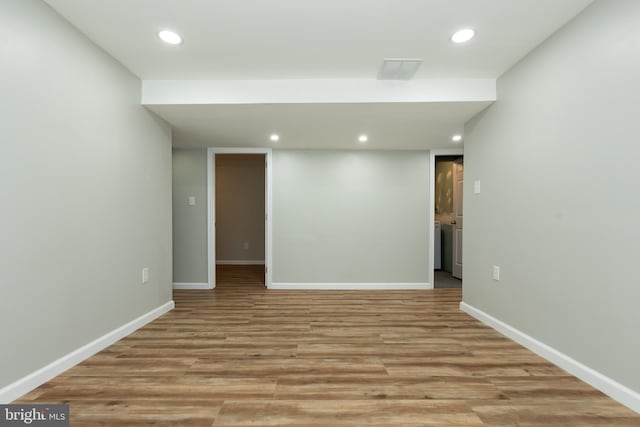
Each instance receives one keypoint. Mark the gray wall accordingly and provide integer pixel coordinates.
(85, 178)
(557, 157)
(338, 216)
(240, 197)
(350, 216)
(190, 222)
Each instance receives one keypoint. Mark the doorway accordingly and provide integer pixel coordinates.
(240, 218)
(447, 218)
(239, 236)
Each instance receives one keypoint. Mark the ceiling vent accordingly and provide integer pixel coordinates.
(399, 68)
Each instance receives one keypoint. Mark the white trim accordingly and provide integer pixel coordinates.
(211, 211)
(608, 386)
(211, 217)
(268, 194)
(190, 285)
(238, 150)
(432, 200)
(28, 383)
(239, 262)
(351, 286)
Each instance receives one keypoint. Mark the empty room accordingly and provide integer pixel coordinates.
(326, 213)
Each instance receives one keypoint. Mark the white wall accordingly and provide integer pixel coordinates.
(350, 216)
(85, 179)
(557, 158)
(240, 209)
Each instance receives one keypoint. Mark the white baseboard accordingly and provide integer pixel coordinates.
(351, 286)
(239, 262)
(190, 285)
(608, 386)
(26, 384)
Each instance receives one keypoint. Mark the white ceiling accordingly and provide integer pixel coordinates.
(282, 39)
(272, 42)
(388, 125)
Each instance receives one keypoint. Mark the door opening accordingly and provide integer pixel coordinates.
(448, 179)
(240, 218)
(239, 244)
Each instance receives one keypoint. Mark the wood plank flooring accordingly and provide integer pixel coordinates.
(244, 356)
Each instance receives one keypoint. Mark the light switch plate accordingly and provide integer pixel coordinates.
(476, 186)
(496, 273)
(145, 275)
(192, 201)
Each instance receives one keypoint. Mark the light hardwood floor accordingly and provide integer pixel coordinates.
(244, 356)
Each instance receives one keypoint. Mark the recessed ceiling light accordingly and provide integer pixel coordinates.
(463, 35)
(363, 138)
(274, 137)
(456, 138)
(170, 37)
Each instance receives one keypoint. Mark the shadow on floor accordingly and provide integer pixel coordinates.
(443, 279)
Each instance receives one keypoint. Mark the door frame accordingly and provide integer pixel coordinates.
(211, 209)
(432, 202)
(457, 165)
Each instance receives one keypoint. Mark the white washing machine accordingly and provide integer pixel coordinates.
(437, 246)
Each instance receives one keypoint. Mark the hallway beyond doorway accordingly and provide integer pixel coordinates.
(245, 276)
(444, 279)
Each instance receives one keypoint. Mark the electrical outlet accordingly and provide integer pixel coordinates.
(192, 201)
(496, 273)
(145, 275)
